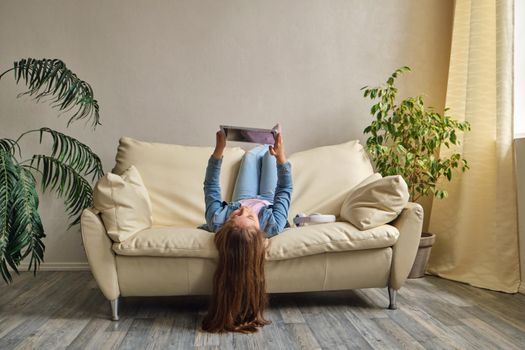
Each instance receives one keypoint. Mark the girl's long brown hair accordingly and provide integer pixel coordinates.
(239, 288)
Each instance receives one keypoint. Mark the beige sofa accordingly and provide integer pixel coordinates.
(173, 257)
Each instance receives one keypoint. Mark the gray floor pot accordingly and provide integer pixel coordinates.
(423, 253)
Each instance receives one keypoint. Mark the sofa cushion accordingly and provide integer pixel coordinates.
(174, 177)
(376, 201)
(323, 176)
(169, 241)
(331, 237)
(291, 243)
(124, 204)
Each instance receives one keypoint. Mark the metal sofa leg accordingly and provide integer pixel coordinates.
(392, 297)
(114, 309)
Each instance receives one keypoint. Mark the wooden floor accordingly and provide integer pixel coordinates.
(59, 310)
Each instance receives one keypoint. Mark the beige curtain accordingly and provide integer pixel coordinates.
(476, 226)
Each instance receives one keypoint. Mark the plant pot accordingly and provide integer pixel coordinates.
(423, 253)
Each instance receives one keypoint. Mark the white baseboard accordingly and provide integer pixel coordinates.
(58, 266)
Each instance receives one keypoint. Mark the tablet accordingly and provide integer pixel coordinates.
(254, 135)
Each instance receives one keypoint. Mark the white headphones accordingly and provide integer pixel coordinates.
(302, 219)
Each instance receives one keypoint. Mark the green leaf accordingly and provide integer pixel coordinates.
(9, 146)
(67, 183)
(8, 180)
(453, 137)
(448, 173)
(74, 153)
(51, 78)
(27, 230)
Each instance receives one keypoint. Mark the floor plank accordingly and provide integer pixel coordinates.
(66, 310)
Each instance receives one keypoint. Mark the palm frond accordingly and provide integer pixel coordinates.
(8, 180)
(8, 145)
(74, 153)
(27, 230)
(51, 78)
(67, 182)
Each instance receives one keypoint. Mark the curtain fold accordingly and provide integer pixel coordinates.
(476, 226)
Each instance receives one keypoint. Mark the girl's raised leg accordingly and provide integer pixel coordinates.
(247, 183)
(268, 181)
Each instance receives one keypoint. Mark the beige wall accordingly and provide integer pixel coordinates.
(172, 71)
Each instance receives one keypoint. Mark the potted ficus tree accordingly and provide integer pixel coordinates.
(405, 139)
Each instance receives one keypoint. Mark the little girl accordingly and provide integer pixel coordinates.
(259, 210)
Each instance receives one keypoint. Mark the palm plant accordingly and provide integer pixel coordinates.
(63, 171)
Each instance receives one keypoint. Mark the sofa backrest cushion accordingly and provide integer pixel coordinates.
(174, 177)
(323, 176)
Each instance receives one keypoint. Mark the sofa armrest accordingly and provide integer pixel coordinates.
(100, 256)
(410, 224)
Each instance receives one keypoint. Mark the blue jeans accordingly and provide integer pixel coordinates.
(257, 175)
